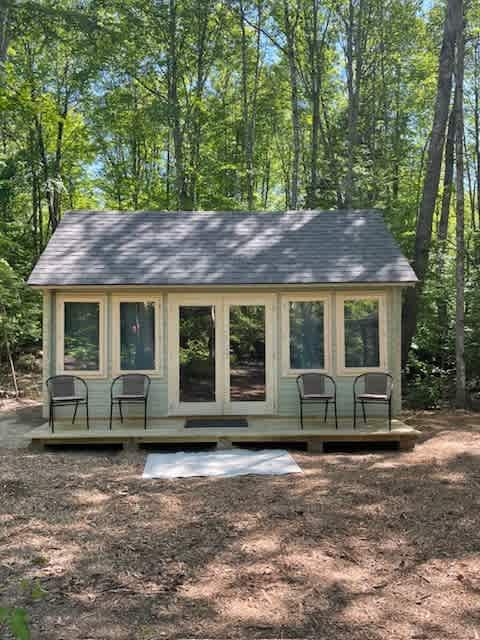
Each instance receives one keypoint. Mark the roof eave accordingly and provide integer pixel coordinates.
(289, 285)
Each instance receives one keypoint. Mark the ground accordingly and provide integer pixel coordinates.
(379, 545)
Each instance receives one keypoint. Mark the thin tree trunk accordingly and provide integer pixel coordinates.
(174, 106)
(476, 120)
(448, 175)
(4, 33)
(290, 28)
(423, 236)
(354, 57)
(8, 350)
(249, 102)
(460, 229)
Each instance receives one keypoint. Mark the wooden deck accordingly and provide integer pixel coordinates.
(260, 429)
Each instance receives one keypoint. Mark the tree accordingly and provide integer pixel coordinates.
(423, 234)
(460, 223)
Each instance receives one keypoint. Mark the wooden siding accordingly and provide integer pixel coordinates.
(285, 401)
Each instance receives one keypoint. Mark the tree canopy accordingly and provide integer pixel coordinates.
(239, 104)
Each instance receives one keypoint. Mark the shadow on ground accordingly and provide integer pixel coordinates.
(365, 546)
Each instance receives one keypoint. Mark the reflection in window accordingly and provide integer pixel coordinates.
(361, 333)
(137, 336)
(81, 336)
(307, 350)
(197, 354)
(247, 353)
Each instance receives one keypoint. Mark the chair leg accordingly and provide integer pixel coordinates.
(301, 415)
(75, 413)
(326, 411)
(364, 414)
(53, 418)
(50, 416)
(120, 407)
(335, 409)
(111, 413)
(354, 413)
(390, 415)
(145, 415)
(86, 411)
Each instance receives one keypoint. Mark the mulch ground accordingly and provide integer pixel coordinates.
(382, 545)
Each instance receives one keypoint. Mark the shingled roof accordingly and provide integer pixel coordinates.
(221, 248)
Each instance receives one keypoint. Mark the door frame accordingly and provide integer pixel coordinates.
(175, 407)
(222, 404)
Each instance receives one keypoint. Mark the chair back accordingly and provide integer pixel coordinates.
(313, 384)
(65, 386)
(132, 384)
(377, 383)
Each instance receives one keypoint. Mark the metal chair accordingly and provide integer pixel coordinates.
(66, 390)
(377, 389)
(134, 388)
(312, 390)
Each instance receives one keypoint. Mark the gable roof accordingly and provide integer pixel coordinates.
(221, 248)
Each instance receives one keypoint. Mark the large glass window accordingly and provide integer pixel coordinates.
(81, 344)
(197, 353)
(247, 353)
(306, 334)
(137, 336)
(361, 332)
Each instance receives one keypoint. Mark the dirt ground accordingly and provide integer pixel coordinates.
(375, 546)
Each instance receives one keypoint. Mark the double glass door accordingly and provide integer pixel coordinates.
(220, 355)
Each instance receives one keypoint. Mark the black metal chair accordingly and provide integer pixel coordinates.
(66, 390)
(133, 389)
(377, 389)
(312, 389)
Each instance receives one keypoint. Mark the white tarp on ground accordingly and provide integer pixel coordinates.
(233, 462)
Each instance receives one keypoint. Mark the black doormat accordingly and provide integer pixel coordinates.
(216, 423)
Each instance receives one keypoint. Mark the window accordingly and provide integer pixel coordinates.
(80, 335)
(136, 328)
(305, 324)
(361, 343)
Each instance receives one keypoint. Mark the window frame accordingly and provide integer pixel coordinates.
(287, 371)
(60, 331)
(381, 298)
(116, 360)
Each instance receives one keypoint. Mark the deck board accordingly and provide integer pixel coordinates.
(261, 429)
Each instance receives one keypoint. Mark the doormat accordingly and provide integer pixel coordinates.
(216, 423)
(235, 462)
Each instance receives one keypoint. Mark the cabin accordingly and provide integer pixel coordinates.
(223, 311)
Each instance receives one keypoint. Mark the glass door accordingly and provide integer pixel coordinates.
(220, 355)
(249, 355)
(195, 354)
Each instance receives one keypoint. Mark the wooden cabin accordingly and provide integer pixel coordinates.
(223, 311)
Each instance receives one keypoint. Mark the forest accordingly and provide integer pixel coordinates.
(252, 105)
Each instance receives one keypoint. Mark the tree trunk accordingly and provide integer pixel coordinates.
(354, 63)
(4, 32)
(460, 228)
(423, 235)
(442, 231)
(290, 28)
(476, 119)
(249, 103)
(174, 107)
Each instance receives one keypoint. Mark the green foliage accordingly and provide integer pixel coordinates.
(16, 620)
(133, 104)
(19, 309)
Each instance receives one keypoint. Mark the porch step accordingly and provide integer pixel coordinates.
(216, 423)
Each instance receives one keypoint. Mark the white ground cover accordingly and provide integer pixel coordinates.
(233, 462)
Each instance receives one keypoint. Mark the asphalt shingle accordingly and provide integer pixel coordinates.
(221, 248)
